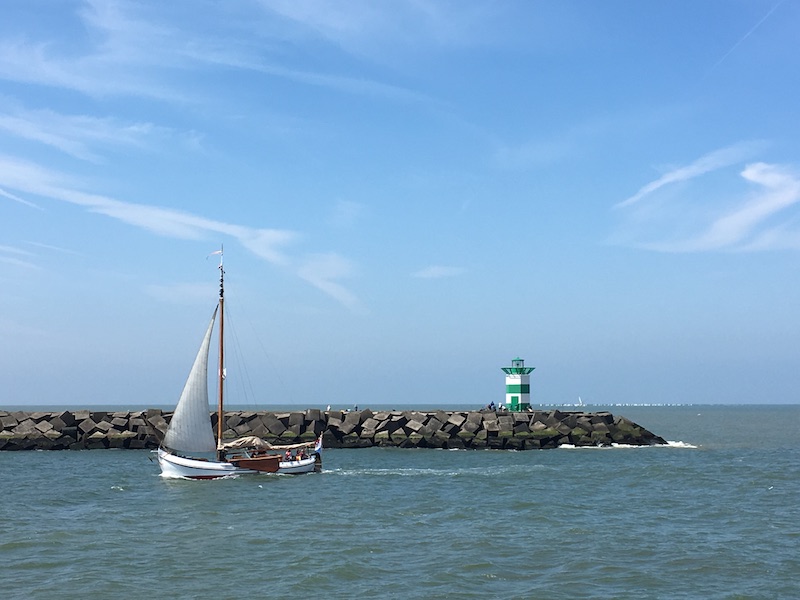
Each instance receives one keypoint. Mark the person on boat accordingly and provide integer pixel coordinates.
(288, 456)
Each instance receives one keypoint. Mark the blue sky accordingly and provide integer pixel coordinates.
(409, 193)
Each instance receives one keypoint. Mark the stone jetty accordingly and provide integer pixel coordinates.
(85, 429)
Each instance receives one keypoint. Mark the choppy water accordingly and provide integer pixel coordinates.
(715, 516)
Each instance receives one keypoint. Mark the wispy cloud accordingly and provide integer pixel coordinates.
(438, 272)
(363, 27)
(132, 51)
(11, 255)
(17, 257)
(746, 226)
(124, 52)
(16, 198)
(322, 271)
(93, 75)
(17, 262)
(763, 217)
(76, 134)
(54, 248)
(14, 250)
(718, 159)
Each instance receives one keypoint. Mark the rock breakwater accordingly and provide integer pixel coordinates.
(84, 429)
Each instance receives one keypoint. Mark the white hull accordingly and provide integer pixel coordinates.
(180, 467)
(295, 467)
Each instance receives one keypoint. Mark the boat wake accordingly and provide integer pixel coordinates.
(483, 471)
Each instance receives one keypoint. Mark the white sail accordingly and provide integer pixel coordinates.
(190, 428)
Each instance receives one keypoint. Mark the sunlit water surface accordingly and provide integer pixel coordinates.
(715, 515)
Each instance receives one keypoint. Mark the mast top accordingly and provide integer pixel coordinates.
(221, 273)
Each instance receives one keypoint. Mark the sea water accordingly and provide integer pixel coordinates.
(712, 515)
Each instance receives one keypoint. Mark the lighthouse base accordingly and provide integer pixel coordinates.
(517, 406)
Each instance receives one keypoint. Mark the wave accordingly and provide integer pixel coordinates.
(681, 445)
(669, 444)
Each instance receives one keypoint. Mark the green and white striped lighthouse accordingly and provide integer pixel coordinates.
(518, 385)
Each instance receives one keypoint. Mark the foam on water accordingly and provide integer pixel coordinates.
(672, 444)
(616, 446)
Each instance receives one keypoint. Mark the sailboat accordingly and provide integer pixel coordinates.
(190, 450)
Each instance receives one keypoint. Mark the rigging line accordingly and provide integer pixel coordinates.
(244, 382)
(271, 370)
(271, 365)
(241, 382)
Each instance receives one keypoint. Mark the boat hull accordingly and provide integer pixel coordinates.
(297, 467)
(268, 463)
(181, 467)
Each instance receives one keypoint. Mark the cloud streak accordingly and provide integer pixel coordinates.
(74, 134)
(718, 159)
(746, 35)
(745, 226)
(16, 198)
(321, 271)
(16, 257)
(134, 53)
(760, 217)
(365, 28)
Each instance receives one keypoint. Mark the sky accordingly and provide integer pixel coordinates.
(409, 194)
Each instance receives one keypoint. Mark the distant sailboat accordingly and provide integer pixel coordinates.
(189, 449)
(580, 402)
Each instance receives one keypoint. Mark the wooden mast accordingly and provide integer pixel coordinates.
(221, 370)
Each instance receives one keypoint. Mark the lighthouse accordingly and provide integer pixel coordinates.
(518, 385)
